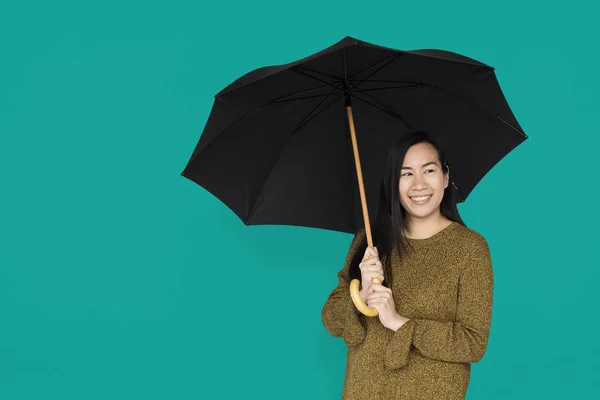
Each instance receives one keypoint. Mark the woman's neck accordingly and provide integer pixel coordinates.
(423, 228)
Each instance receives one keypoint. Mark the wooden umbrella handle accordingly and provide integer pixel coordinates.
(360, 305)
(354, 285)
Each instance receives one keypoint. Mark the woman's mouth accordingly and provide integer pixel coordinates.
(420, 200)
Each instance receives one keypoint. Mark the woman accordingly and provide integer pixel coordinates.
(435, 300)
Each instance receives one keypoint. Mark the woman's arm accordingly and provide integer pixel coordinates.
(463, 340)
(339, 315)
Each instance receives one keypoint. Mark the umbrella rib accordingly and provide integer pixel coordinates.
(309, 118)
(281, 99)
(300, 71)
(393, 58)
(317, 72)
(478, 105)
(458, 192)
(305, 97)
(397, 116)
(390, 58)
(255, 110)
(462, 98)
(391, 81)
(382, 107)
(298, 128)
(220, 134)
(387, 87)
(386, 62)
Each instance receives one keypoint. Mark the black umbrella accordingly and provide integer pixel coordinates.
(276, 147)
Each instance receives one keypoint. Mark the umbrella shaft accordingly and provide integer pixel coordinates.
(361, 187)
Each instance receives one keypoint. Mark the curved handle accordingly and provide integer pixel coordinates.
(358, 302)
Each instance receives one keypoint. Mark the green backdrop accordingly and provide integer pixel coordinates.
(121, 279)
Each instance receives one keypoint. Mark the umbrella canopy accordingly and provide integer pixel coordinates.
(276, 148)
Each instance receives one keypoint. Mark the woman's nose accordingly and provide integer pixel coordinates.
(418, 181)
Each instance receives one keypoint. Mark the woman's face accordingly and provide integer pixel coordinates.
(422, 181)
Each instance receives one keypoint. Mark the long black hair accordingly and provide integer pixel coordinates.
(390, 222)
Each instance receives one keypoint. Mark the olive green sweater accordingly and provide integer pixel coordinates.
(445, 286)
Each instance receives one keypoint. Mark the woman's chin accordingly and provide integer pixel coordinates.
(421, 212)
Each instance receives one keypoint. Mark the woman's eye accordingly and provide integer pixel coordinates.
(432, 170)
(404, 174)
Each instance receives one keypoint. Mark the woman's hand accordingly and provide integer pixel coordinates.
(370, 268)
(380, 298)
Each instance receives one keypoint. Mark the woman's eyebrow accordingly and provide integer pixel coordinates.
(422, 166)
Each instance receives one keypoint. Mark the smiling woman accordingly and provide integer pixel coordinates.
(421, 186)
(435, 304)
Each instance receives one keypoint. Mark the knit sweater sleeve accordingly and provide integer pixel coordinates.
(339, 314)
(462, 340)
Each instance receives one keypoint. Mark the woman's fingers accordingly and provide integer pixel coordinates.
(378, 295)
(371, 268)
(373, 274)
(375, 302)
(372, 261)
(372, 271)
(380, 288)
(367, 267)
(374, 298)
(370, 252)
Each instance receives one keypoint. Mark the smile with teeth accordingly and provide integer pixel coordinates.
(421, 199)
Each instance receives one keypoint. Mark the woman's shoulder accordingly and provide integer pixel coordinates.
(471, 239)
(468, 233)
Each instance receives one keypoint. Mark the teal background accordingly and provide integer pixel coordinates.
(121, 279)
